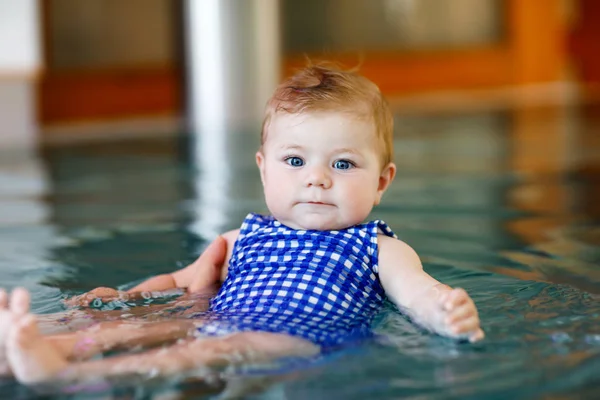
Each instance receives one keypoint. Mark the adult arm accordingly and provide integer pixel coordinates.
(209, 269)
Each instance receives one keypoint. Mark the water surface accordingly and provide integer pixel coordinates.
(505, 204)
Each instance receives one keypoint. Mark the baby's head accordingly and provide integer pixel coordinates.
(326, 149)
(322, 89)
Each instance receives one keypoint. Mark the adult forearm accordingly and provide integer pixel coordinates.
(156, 283)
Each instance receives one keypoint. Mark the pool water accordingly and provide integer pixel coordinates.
(503, 203)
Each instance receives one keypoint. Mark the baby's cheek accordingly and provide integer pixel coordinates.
(361, 203)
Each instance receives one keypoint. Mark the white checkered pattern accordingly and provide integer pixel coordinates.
(319, 285)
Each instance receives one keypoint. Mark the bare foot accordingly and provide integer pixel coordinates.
(32, 358)
(19, 306)
(5, 324)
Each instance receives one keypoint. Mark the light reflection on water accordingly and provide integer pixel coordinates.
(501, 204)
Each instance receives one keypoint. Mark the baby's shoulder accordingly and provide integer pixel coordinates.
(393, 251)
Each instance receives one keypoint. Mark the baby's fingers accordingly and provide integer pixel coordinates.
(465, 326)
(477, 336)
(463, 312)
(454, 299)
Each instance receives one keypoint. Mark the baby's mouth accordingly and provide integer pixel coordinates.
(318, 203)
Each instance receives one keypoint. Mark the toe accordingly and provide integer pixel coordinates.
(19, 301)
(3, 299)
(32, 359)
(24, 331)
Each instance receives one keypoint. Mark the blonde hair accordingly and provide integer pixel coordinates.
(323, 88)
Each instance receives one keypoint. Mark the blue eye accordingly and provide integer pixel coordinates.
(294, 161)
(343, 164)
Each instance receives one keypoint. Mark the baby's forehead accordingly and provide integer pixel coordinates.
(329, 129)
(320, 120)
(324, 115)
(322, 134)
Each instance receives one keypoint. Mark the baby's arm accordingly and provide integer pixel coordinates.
(429, 303)
(203, 273)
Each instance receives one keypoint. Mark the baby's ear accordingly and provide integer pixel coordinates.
(385, 178)
(260, 162)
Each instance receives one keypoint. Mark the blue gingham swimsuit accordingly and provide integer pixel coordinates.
(319, 285)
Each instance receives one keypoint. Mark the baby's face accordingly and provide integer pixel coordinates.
(321, 170)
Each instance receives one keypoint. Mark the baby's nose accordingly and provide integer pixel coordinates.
(318, 176)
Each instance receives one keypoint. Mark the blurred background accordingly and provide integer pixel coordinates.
(108, 70)
(477, 86)
(64, 62)
(506, 86)
(127, 137)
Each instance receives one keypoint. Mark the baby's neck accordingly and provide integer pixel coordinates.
(297, 227)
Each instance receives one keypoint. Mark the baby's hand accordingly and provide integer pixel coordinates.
(461, 319)
(84, 300)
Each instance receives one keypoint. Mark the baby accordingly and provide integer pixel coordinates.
(305, 279)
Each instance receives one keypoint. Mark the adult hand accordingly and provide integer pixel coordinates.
(103, 293)
(207, 271)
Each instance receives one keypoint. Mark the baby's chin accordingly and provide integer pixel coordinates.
(316, 223)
